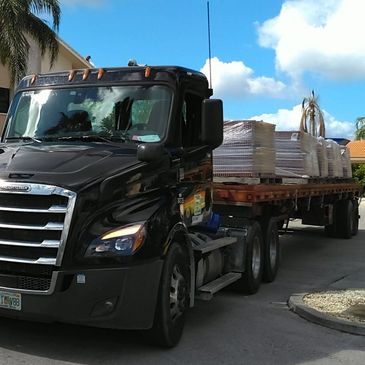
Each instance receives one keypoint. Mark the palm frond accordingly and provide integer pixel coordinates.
(312, 119)
(43, 35)
(21, 17)
(360, 122)
(49, 7)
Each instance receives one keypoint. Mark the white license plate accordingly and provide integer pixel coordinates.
(10, 300)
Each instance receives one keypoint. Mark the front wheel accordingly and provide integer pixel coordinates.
(173, 300)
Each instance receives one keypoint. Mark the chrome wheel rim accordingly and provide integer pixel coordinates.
(256, 257)
(177, 293)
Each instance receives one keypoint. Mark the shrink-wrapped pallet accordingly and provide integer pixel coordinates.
(296, 154)
(335, 168)
(248, 150)
(322, 157)
(346, 163)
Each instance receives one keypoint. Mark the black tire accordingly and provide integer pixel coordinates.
(281, 224)
(271, 250)
(355, 224)
(173, 300)
(344, 219)
(330, 230)
(250, 281)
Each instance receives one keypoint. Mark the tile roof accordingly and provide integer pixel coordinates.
(357, 149)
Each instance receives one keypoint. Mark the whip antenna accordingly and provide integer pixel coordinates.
(209, 47)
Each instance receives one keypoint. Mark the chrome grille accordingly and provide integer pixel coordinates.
(34, 224)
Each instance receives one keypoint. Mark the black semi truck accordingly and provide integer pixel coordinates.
(107, 215)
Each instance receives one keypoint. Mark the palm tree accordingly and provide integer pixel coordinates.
(360, 128)
(312, 120)
(19, 19)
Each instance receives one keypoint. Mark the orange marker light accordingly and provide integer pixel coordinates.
(147, 72)
(86, 74)
(101, 73)
(71, 75)
(33, 80)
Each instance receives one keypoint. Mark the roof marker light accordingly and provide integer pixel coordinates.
(34, 79)
(147, 72)
(86, 74)
(71, 75)
(101, 73)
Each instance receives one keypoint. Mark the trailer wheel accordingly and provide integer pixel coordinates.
(355, 224)
(251, 278)
(271, 250)
(173, 300)
(330, 230)
(344, 219)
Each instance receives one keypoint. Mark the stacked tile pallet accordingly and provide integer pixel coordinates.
(248, 150)
(253, 149)
(322, 157)
(335, 168)
(346, 162)
(296, 154)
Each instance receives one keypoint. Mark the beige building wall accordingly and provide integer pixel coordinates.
(2, 121)
(4, 76)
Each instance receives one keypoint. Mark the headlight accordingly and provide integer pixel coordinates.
(123, 241)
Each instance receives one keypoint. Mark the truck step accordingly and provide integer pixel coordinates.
(206, 291)
(214, 244)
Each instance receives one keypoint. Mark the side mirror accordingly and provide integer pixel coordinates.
(147, 152)
(212, 122)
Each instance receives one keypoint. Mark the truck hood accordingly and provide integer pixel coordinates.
(67, 164)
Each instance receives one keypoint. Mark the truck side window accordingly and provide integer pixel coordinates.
(191, 120)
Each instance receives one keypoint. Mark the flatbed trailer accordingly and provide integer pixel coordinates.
(322, 204)
(331, 204)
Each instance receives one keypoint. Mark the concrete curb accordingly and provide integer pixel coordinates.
(297, 305)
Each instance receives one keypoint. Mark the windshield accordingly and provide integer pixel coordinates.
(138, 113)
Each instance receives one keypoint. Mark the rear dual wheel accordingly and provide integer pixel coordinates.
(345, 219)
(250, 281)
(356, 217)
(271, 250)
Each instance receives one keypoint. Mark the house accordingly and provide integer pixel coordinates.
(357, 151)
(67, 59)
(341, 141)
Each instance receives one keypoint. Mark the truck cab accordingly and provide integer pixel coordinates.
(102, 174)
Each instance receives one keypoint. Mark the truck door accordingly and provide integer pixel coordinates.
(196, 174)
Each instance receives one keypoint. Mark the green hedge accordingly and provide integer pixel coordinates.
(358, 172)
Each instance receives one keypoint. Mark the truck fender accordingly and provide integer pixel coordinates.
(179, 233)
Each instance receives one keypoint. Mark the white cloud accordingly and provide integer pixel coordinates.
(235, 80)
(289, 119)
(325, 37)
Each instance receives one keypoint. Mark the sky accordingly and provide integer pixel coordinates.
(267, 55)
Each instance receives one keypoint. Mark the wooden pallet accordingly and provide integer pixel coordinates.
(248, 180)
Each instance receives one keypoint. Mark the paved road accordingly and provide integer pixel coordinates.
(231, 329)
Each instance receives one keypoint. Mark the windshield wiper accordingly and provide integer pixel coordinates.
(119, 137)
(89, 137)
(24, 138)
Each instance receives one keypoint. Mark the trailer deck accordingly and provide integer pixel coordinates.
(246, 195)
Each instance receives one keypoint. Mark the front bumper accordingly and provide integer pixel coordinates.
(123, 298)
